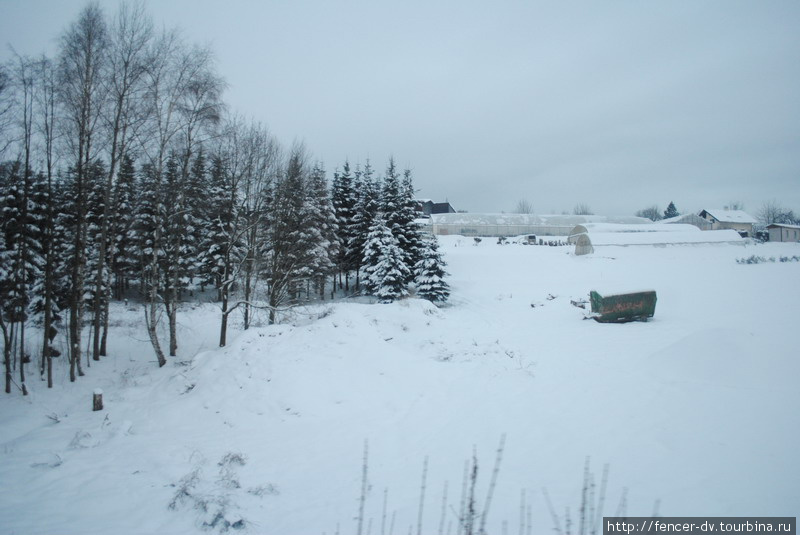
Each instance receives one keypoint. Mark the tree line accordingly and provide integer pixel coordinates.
(124, 174)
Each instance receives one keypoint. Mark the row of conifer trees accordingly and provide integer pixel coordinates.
(124, 177)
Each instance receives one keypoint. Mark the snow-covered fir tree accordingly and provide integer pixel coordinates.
(391, 275)
(386, 273)
(95, 207)
(196, 227)
(122, 260)
(412, 236)
(22, 244)
(221, 244)
(289, 240)
(343, 200)
(366, 210)
(429, 273)
(398, 208)
(378, 235)
(40, 199)
(147, 234)
(322, 221)
(178, 262)
(391, 201)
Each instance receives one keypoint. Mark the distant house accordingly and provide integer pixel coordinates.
(429, 207)
(780, 232)
(740, 221)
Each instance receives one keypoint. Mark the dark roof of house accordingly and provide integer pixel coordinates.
(442, 208)
(429, 207)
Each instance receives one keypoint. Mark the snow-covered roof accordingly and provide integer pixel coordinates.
(665, 237)
(473, 219)
(593, 228)
(654, 234)
(681, 218)
(782, 225)
(730, 216)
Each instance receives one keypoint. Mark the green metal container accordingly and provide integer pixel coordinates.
(621, 308)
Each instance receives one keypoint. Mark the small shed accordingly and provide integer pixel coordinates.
(785, 233)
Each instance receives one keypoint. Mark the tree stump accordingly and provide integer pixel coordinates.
(97, 400)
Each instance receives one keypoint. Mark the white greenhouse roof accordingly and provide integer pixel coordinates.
(477, 219)
(665, 237)
(593, 228)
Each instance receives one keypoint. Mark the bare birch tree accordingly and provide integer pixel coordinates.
(46, 89)
(81, 91)
(284, 248)
(129, 38)
(6, 106)
(184, 97)
(24, 74)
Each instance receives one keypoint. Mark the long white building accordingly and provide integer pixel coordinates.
(496, 225)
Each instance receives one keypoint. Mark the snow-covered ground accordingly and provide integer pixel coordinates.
(695, 412)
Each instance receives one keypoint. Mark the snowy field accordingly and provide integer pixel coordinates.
(695, 412)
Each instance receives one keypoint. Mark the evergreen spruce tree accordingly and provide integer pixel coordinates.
(322, 221)
(40, 200)
(378, 235)
(23, 249)
(95, 207)
(221, 244)
(196, 226)
(391, 274)
(429, 272)
(366, 211)
(343, 200)
(312, 231)
(12, 290)
(64, 214)
(123, 263)
(148, 229)
(411, 242)
(671, 211)
(386, 273)
(288, 242)
(398, 207)
(391, 202)
(174, 262)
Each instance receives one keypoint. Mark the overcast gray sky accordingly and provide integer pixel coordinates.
(617, 104)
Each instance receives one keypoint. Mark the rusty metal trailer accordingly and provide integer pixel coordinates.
(621, 308)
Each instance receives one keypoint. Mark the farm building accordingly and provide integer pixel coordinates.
(780, 232)
(428, 207)
(740, 221)
(491, 225)
(689, 219)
